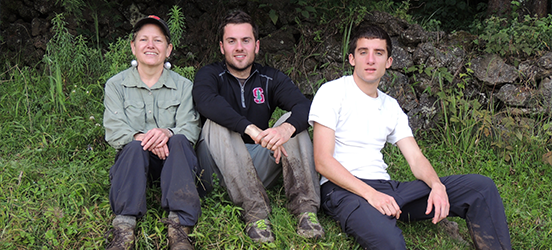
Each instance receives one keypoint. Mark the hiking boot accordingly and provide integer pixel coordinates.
(123, 233)
(260, 231)
(178, 234)
(309, 227)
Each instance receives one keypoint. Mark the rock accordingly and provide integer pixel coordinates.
(545, 66)
(396, 85)
(455, 59)
(133, 14)
(42, 6)
(415, 34)
(492, 70)
(331, 51)
(461, 39)
(513, 95)
(545, 61)
(39, 26)
(528, 71)
(545, 92)
(429, 55)
(401, 58)
(425, 115)
(391, 24)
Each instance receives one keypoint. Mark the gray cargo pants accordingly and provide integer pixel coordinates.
(246, 169)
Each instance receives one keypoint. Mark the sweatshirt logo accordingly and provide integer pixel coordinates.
(258, 94)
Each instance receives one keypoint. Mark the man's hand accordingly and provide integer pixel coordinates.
(278, 154)
(438, 198)
(272, 138)
(384, 203)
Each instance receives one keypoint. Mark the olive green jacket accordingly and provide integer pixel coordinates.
(132, 107)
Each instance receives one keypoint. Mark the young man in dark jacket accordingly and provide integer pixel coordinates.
(237, 98)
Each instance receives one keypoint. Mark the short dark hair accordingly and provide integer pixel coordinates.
(237, 17)
(370, 32)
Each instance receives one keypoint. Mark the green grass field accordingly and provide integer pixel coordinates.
(54, 168)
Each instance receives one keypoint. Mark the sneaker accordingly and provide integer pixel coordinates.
(178, 235)
(309, 227)
(260, 231)
(123, 234)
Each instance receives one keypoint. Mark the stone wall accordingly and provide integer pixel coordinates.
(310, 53)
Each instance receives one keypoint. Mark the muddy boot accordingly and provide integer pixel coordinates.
(178, 234)
(260, 231)
(123, 233)
(309, 227)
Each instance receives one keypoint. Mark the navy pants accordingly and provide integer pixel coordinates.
(133, 166)
(474, 198)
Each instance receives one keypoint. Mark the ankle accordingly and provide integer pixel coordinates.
(124, 219)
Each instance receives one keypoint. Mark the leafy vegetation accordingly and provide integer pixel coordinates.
(54, 161)
(518, 36)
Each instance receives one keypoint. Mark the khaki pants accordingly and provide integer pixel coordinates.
(246, 169)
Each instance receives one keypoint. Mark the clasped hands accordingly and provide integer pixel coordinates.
(272, 138)
(155, 140)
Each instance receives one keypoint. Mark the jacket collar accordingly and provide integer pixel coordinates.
(133, 80)
(254, 69)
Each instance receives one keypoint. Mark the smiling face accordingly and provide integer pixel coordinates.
(370, 60)
(239, 47)
(150, 46)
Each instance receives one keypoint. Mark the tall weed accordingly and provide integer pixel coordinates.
(70, 61)
(177, 25)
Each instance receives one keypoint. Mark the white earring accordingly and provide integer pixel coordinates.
(134, 63)
(168, 65)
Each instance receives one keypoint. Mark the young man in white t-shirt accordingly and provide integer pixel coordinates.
(352, 121)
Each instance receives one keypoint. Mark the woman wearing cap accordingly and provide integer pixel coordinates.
(150, 119)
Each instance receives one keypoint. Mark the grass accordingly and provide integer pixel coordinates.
(54, 180)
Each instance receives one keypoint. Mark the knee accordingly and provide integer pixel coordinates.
(131, 157)
(132, 149)
(374, 230)
(178, 139)
(382, 237)
(133, 146)
(482, 182)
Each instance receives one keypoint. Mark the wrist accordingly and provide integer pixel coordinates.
(252, 130)
(438, 184)
(288, 127)
(138, 136)
(170, 132)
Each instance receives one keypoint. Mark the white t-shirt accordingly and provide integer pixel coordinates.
(362, 126)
